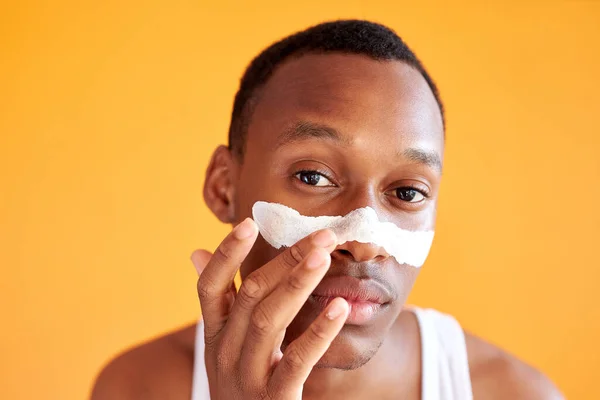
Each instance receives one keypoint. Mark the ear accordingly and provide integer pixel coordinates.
(219, 185)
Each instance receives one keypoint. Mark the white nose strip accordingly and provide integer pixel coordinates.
(284, 226)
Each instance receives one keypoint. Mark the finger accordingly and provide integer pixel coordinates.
(272, 316)
(261, 282)
(303, 354)
(200, 258)
(215, 282)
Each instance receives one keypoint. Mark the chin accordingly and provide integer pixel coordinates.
(351, 349)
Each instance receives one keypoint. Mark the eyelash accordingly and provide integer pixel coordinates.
(425, 193)
(314, 171)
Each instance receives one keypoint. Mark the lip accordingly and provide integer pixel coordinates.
(366, 297)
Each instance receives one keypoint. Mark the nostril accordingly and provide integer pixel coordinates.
(345, 252)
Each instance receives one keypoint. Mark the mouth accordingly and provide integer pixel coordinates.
(366, 298)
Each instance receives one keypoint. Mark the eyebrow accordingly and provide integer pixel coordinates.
(426, 157)
(304, 130)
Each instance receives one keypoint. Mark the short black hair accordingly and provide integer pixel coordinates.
(343, 36)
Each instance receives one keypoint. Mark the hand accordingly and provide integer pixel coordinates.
(244, 331)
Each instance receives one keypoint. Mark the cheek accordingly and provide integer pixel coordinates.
(406, 281)
(260, 254)
(422, 220)
(257, 187)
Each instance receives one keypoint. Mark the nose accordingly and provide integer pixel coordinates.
(357, 251)
(360, 252)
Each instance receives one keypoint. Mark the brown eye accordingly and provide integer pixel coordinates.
(409, 195)
(313, 178)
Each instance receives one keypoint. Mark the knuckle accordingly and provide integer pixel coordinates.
(295, 358)
(295, 282)
(225, 250)
(318, 333)
(264, 395)
(261, 322)
(293, 256)
(206, 288)
(251, 290)
(210, 341)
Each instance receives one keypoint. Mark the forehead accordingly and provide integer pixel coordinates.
(386, 103)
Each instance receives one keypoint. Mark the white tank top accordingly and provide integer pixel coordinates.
(445, 367)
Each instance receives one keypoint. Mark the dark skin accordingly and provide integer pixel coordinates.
(329, 134)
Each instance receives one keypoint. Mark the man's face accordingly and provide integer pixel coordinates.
(331, 133)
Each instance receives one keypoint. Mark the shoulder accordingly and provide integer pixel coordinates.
(160, 368)
(496, 374)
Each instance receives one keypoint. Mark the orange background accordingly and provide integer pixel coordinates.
(109, 112)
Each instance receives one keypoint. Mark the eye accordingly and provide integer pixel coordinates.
(410, 195)
(313, 178)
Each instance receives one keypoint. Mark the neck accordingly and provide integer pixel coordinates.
(397, 360)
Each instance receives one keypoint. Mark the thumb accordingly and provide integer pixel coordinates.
(200, 259)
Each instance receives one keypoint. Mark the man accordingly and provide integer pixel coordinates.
(337, 117)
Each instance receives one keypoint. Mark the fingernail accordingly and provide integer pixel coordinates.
(244, 230)
(316, 259)
(336, 309)
(197, 268)
(324, 238)
(195, 262)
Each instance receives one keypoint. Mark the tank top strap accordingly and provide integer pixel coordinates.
(445, 366)
(200, 389)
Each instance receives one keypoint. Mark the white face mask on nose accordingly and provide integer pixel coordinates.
(284, 226)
